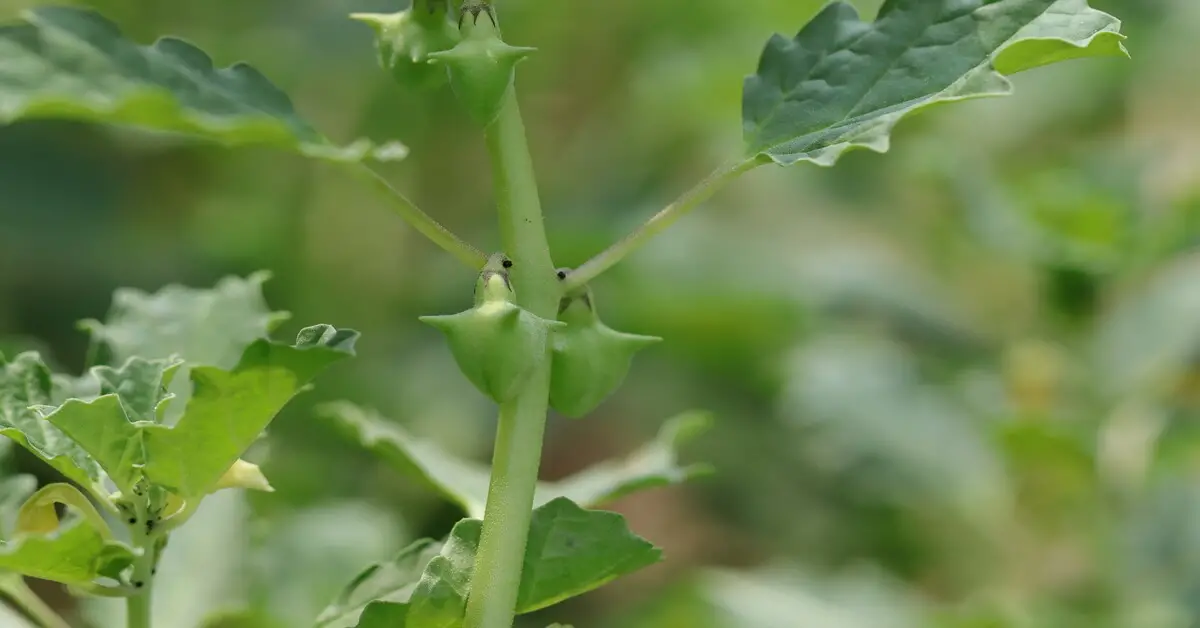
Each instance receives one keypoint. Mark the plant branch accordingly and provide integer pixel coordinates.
(28, 602)
(422, 222)
(658, 223)
(496, 578)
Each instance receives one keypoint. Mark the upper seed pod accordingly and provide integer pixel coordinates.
(590, 358)
(481, 66)
(496, 344)
(406, 39)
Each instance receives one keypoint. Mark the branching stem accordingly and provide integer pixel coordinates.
(28, 602)
(422, 222)
(658, 223)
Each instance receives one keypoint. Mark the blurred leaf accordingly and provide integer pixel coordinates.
(77, 552)
(392, 581)
(240, 619)
(1146, 342)
(209, 326)
(842, 83)
(305, 557)
(868, 409)
(384, 615)
(13, 492)
(64, 62)
(440, 598)
(789, 599)
(228, 412)
(26, 382)
(466, 483)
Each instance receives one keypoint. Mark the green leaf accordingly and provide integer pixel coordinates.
(76, 552)
(384, 615)
(440, 598)
(64, 62)
(239, 619)
(466, 482)
(228, 411)
(110, 427)
(842, 83)
(210, 326)
(380, 585)
(570, 551)
(25, 382)
(13, 492)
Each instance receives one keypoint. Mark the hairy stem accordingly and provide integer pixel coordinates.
(658, 223)
(139, 605)
(25, 600)
(422, 222)
(497, 575)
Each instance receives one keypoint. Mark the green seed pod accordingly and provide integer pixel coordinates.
(590, 358)
(481, 66)
(496, 344)
(405, 40)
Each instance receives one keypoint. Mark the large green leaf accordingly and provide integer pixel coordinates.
(64, 62)
(465, 482)
(77, 551)
(227, 412)
(570, 551)
(26, 382)
(843, 83)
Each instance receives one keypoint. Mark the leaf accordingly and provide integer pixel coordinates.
(64, 62)
(76, 552)
(570, 551)
(440, 597)
(26, 382)
(13, 492)
(239, 619)
(109, 427)
(1147, 341)
(384, 615)
(39, 516)
(466, 482)
(227, 412)
(654, 465)
(842, 83)
(382, 583)
(210, 326)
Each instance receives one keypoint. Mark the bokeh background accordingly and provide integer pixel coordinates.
(953, 385)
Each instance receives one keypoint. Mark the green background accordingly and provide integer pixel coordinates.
(953, 384)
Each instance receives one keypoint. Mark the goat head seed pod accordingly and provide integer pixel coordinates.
(496, 344)
(405, 40)
(591, 359)
(481, 66)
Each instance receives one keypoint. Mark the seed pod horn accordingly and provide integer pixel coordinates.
(591, 359)
(496, 343)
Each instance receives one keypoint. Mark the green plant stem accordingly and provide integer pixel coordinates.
(658, 223)
(422, 222)
(28, 602)
(498, 564)
(139, 605)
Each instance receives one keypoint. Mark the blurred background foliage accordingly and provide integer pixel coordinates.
(956, 385)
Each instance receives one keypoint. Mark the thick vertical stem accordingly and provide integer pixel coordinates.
(138, 607)
(497, 575)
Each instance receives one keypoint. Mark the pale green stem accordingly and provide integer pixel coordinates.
(658, 223)
(422, 222)
(24, 599)
(139, 605)
(498, 564)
